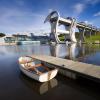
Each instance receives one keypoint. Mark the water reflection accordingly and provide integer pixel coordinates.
(24, 50)
(18, 86)
(79, 52)
(70, 51)
(74, 51)
(38, 87)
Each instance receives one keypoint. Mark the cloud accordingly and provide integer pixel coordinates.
(50, 10)
(97, 14)
(82, 5)
(79, 8)
(92, 2)
(15, 20)
(6, 13)
(88, 22)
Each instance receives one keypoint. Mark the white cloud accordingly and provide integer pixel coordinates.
(18, 13)
(15, 20)
(92, 2)
(96, 21)
(78, 8)
(97, 14)
(88, 22)
(82, 5)
(50, 10)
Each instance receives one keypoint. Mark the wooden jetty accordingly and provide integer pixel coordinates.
(72, 69)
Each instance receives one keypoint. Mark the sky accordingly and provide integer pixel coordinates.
(20, 16)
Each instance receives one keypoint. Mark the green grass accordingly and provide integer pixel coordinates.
(93, 38)
(61, 38)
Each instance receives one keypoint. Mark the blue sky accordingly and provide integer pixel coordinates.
(28, 15)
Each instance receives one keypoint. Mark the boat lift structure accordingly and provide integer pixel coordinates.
(70, 25)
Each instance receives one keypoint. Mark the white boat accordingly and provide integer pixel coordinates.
(36, 69)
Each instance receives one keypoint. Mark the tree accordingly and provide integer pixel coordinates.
(2, 35)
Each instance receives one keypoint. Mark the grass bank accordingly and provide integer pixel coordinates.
(93, 38)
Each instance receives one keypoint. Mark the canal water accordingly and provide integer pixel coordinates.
(14, 85)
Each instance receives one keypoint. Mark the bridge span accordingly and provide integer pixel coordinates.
(70, 25)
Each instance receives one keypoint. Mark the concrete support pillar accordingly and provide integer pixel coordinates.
(95, 32)
(71, 28)
(82, 36)
(90, 32)
(54, 31)
(72, 31)
(67, 36)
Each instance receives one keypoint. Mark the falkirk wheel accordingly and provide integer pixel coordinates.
(70, 25)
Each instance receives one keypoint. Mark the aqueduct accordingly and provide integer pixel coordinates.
(70, 25)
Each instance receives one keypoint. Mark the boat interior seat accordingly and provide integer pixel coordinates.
(35, 66)
(40, 67)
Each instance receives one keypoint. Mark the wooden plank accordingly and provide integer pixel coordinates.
(79, 67)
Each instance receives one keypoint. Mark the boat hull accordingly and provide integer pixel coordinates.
(44, 77)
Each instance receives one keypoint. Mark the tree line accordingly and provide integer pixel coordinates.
(2, 35)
